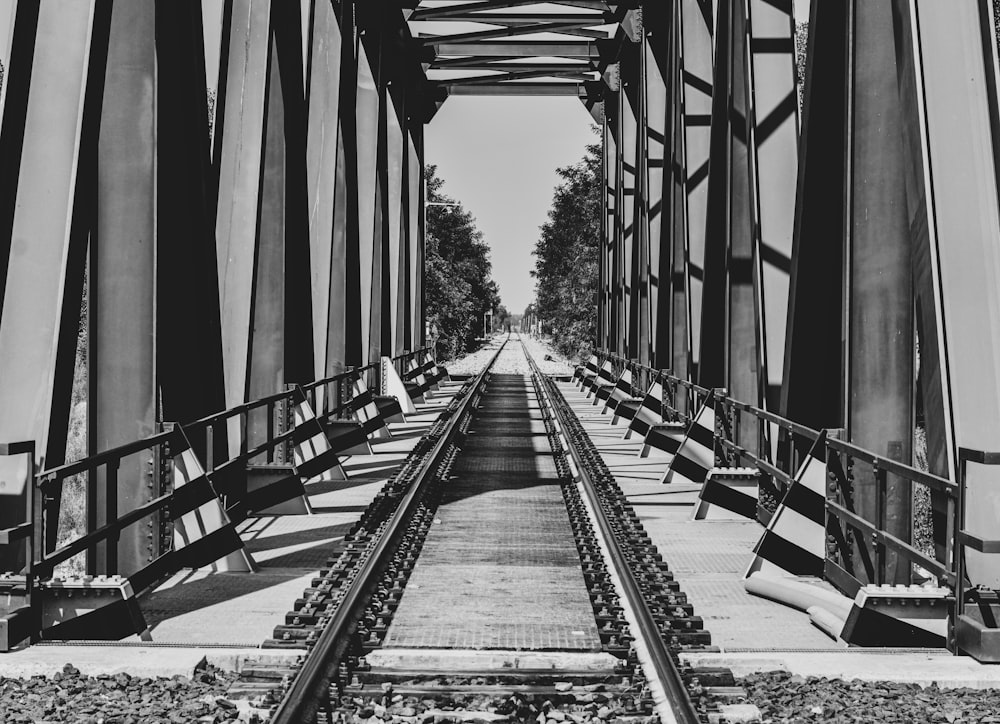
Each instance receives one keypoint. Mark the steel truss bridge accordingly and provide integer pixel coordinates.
(832, 267)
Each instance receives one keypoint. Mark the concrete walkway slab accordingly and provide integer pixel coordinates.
(145, 661)
(242, 609)
(494, 661)
(708, 558)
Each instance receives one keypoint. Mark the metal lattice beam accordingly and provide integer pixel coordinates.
(512, 52)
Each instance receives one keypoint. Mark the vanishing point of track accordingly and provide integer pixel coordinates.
(642, 616)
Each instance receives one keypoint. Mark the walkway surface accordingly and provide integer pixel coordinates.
(241, 609)
(708, 558)
(499, 568)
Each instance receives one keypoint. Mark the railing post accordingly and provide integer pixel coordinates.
(959, 552)
(35, 543)
(210, 446)
(880, 520)
(718, 394)
(271, 411)
(111, 515)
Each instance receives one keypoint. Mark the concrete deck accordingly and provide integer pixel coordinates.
(499, 568)
(222, 618)
(708, 558)
(198, 607)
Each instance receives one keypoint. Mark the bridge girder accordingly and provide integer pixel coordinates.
(796, 270)
(283, 247)
(800, 272)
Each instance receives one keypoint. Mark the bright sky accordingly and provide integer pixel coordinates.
(499, 156)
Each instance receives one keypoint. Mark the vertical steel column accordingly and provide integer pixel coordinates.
(659, 193)
(369, 246)
(601, 342)
(813, 353)
(281, 340)
(325, 180)
(187, 299)
(291, 49)
(629, 125)
(635, 85)
(417, 180)
(741, 374)
(712, 347)
(879, 292)
(696, 28)
(947, 64)
(122, 402)
(267, 372)
(50, 116)
(239, 159)
(407, 234)
(380, 334)
(393, 315)
(407, 203)
(612, 223)
(347, 315)
(773, 144)
(415, 174)
(674, 268)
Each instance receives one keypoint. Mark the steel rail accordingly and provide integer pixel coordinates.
(303, 699)
(663, 664)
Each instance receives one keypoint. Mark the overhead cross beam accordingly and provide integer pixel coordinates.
(534, 52)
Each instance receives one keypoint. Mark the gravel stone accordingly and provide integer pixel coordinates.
(511, 361)
(67, 696)
(783, 697)
(472, 707)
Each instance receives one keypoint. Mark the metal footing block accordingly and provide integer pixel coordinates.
(89, 607)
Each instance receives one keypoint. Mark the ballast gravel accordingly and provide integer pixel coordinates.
(69, 696)
(566, 705)
(784, 697)
(512, 361)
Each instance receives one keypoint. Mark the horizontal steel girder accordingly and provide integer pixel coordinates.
(441, 13)
(492, 18)
(521, 49)
(518, 89)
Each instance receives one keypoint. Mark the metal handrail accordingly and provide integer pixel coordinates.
(49, 482)
(798, 437)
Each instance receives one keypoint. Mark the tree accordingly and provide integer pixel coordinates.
(566, 258)
(459, 289)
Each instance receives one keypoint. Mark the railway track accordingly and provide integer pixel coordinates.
(508, 481)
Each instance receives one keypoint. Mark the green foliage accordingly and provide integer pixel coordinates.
(566, 258)
(458, 287)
